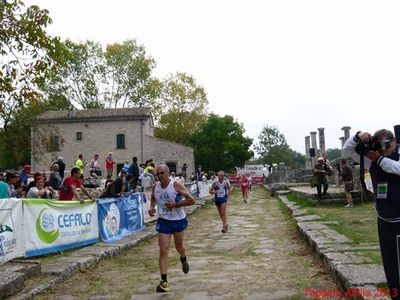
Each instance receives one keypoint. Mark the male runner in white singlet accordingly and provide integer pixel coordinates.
(170, 197)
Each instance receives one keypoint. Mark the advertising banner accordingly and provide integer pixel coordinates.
(146, 207)
(253, 171)
(204, 188)
(120, 217)
(11, 229)
(51, 226)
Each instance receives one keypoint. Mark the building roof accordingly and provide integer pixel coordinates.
(94, 114)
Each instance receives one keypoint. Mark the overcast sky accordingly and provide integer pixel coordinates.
(297, 65)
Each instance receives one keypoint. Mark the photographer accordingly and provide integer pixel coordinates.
(382, 158)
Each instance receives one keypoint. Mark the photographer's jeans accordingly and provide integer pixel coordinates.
(325, 183)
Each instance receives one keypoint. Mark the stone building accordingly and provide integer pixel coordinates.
(126, 132)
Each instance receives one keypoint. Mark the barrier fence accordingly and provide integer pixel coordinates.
(32, 227)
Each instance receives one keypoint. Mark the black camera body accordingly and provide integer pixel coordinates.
(372, 145)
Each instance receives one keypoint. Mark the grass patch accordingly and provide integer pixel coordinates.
(299, 201)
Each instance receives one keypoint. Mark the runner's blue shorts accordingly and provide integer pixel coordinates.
(171, 226)
(218, 202)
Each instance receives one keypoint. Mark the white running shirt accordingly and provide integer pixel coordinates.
(161, 196)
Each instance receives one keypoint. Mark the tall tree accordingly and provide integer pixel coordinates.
(128, 76)
(76, 82)
(333, 153)
(220, 144)
(181, 110)
(273, 148)
(27, 53)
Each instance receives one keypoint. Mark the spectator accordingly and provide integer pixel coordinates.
(180, 178)
(110, 162)
(320, 173)
(134, 171)
(129, 186)
(184, 170)
(172, 176)
(327, 168)
(4, 190)
(61, 166)
(347, 178)
(94, 166)
(80, 165)
(33, 183)
(11, 180)
(55, 180)
(108, 181)
(114, 189)
(40, 191)
(24, 174)
(70, 185)
(126, 166)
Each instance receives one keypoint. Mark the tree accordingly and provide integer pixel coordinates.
(27, 53)
(273, 148)
(333, 153)
(76, 82)
(220, 144)
(90, 78)
(181, 110)
(128, 76)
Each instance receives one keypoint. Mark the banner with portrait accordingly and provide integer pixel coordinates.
(120, 217)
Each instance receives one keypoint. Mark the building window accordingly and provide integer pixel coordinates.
(120, 141)
(55, 143)
(79, 136)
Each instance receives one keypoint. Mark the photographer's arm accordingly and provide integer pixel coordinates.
(388, 165)
(350, 146)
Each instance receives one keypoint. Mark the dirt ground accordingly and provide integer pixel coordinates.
(261, 257)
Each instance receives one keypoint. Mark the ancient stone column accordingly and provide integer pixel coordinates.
(314, 145)
(342, 140)
(308, 157)
(321, 136)
(346, 130)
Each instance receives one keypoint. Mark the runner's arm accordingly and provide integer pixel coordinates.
(212, 188)
(180, 188)
(152, 210)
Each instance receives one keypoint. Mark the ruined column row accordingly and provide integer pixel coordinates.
(311, 147)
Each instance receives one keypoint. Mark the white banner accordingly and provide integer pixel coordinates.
(52, 226)
(11, 229)
(253, 170)
(146, 207)
(204, 188)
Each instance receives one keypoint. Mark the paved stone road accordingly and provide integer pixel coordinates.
(261, 257)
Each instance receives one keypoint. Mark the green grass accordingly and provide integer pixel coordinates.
(299, 201)
(359, 223)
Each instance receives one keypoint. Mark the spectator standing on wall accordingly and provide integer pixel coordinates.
(61, 166)
(320, 173)
(184, 170)
(55, 180)
(110, 162)
(80, 165)
(134, 171)
(126, 166)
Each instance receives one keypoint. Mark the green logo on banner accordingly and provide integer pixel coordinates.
(45, 227)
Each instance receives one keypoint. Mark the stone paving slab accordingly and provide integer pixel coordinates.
(339, 254)
(13, 276)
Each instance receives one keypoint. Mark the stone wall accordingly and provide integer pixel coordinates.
(162, 151)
